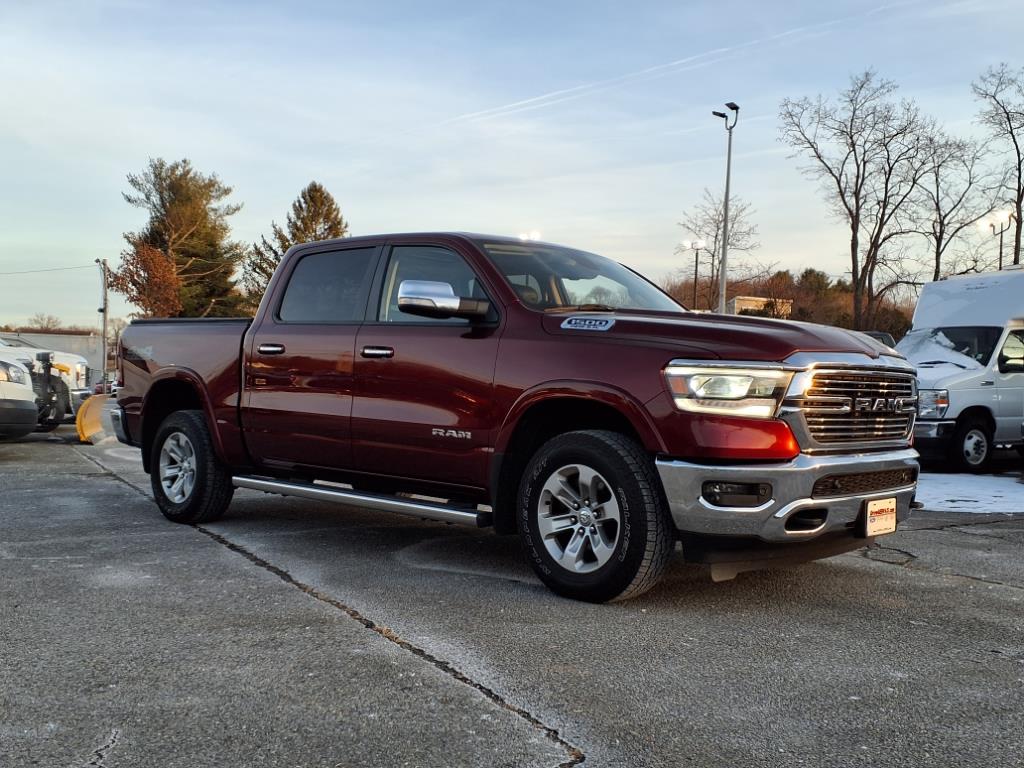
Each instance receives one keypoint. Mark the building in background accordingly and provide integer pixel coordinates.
(760, 306)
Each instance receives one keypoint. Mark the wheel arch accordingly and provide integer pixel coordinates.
(555, 408)
(981, 412)
(175, 390)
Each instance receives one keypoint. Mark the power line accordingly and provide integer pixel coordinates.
(51, 269)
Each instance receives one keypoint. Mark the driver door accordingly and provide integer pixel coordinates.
(423, 400)
(1009, 375)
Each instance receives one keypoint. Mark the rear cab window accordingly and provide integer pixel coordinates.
(328, 287)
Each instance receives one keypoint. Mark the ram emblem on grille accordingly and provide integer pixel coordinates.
(880, 404)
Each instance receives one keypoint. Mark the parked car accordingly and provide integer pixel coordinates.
(73, 371)
(967, 342)
(543, 390)
(881, 336)
(18, 410)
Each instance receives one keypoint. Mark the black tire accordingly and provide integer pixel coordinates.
(211, 490)
(972, 446)
(58, 411)
(644, 540)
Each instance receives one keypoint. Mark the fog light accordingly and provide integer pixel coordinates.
(736, 494)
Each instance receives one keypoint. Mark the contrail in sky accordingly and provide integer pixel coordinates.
(556, 97)
(695, 61)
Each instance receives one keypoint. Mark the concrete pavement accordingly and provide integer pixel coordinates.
(297, 633)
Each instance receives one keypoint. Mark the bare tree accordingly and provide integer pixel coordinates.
(956, 191)
(704, 221)
(45, 323)
(868, 152)
(1001, 92)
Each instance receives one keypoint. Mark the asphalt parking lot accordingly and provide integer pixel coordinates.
(294, 633)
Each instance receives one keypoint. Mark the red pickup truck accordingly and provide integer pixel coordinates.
(543, 390)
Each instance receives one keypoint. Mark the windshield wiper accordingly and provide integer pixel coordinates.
(942, 362)
(581, 308)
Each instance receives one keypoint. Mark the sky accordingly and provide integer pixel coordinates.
(587, 121)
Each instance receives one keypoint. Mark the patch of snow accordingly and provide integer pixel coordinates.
(934, 348)
(980, 494)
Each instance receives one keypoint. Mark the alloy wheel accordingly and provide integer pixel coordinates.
(177, 467)
(578, 518)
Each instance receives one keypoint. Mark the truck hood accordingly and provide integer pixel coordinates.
(712, 336)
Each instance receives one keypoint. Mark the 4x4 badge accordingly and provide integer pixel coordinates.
(588, 323)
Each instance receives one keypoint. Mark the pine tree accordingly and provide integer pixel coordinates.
(182, 262)
(314, 216)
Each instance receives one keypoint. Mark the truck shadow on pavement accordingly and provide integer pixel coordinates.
(428, 556)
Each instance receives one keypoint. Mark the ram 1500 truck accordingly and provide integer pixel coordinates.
(543, 390)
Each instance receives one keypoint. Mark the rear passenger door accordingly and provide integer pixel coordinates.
(423, 403)
(299, 364)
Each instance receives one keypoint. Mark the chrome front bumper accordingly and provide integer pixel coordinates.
(120, 425)
(792, 485)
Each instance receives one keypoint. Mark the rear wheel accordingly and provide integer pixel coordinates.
(592, 519)
(190, 485)
(971, 450)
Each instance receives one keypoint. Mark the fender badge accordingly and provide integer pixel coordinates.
(588, 323)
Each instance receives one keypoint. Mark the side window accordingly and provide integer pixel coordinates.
(328, 287)
(1011, 357)
(425, 262)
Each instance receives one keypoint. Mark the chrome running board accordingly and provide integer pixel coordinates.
(410, 507)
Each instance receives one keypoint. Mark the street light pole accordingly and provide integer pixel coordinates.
(103, 365)
(733, 107)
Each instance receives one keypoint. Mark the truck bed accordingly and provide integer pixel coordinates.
(157, 354)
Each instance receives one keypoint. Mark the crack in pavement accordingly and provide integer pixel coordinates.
(910, 559)
(99, 755)
(575, 754)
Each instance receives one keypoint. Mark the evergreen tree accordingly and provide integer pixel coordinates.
(182, 262)
(314, 216)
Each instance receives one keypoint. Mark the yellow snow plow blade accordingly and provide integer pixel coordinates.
(89, 420)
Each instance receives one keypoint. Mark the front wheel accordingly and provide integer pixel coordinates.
(971, 449)
(190, 485)
(592, 518)
(55, 413)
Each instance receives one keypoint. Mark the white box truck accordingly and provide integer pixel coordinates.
(967, 343)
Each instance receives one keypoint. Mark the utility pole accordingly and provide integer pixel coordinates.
(696, 245)
(696, 262)
(1000, 231)
(104, 309)
(733, 107)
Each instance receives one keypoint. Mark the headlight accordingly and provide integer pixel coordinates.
(13, 373)
(932, 403)
(81, 375)
(753, 393)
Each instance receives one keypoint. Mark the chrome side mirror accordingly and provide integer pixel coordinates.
(438, 300)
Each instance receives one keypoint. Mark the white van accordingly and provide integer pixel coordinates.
(967, 344)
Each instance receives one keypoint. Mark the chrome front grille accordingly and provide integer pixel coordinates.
(858, 406)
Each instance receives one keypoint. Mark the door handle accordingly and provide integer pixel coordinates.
(270, 349)
(377, 352)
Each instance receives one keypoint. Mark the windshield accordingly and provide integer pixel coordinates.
(548, 277)
(965, 346)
